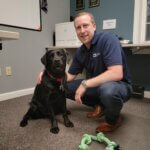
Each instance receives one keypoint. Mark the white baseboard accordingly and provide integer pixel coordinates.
(14, 94)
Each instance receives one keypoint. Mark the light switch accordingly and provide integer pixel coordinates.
(8, 71)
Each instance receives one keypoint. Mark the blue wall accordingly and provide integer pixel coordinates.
(121, 10)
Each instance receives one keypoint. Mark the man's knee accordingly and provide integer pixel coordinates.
(73, 85)
(109, 94)
(107, 90)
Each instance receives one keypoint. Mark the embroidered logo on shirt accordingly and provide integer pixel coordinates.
(96, 55)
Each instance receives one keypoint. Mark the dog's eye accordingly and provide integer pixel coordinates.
(59, 53)
(52, 55)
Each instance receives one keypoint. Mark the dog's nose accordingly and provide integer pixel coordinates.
(57, 61)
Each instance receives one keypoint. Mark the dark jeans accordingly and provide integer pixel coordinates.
(110, 95)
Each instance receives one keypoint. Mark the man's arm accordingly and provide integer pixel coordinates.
(113, 73)
(70, 77)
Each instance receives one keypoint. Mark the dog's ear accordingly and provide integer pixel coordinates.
(46, 50)
(44, 60)
(67, 56)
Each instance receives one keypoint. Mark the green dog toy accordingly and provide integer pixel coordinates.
(100, 137)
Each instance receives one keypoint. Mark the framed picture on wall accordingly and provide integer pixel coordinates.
(80, 4)
(94, 3)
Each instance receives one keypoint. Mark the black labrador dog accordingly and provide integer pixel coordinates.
(49, 96)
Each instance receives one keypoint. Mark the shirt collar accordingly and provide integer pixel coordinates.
(94, 41)
(95, 38)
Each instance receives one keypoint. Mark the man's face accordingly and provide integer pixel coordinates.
(85, 29)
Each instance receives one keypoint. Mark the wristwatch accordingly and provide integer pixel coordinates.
(83, 83)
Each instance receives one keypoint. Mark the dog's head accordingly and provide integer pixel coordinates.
(55, 62)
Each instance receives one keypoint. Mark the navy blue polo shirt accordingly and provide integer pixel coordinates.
(105, 51)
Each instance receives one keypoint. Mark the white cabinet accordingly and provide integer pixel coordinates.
(66, 35)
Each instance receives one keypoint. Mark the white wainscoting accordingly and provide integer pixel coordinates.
(14, 94)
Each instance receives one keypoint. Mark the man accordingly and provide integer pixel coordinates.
(108, 83)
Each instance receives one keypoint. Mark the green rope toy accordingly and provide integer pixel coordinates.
(100, 137)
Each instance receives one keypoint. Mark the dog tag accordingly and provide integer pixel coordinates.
(61, 87)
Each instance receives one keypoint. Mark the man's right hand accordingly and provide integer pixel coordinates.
(40, 77)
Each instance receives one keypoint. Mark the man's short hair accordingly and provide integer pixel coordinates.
(85, 13)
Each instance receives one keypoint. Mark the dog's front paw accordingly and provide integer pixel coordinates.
(54, 130)
(23, 123)
(69, 124)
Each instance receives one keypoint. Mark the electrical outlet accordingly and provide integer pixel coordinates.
(8, 71)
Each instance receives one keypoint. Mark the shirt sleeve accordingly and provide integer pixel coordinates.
(76, 66)
(111, 50)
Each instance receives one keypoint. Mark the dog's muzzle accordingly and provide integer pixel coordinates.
(58, 64)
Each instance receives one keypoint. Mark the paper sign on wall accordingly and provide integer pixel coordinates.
(109, 24)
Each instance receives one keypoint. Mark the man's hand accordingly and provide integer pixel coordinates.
(39, 77)
(79, 93)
